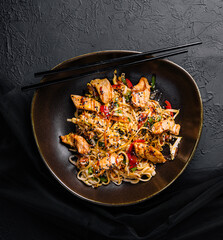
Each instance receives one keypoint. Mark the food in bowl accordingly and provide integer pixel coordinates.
(121, 131)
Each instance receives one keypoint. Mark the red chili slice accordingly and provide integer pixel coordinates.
(168, 106)
(132, 157)
(129, 84)
(132, 160)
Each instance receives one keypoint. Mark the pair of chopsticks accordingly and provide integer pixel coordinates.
(116, 62)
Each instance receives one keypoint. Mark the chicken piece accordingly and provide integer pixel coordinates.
(104, 89)
(85, 103)
(148, 152)
(141, 93)
(91, 122)
(115, 139)
(166, 125)
(76, 141)
(96, 123)
(139, 99)
(175, 130)
(114, 160)
(142, 85)
(68, 139)
(82, 145)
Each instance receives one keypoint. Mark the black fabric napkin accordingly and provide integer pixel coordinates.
(33, 205)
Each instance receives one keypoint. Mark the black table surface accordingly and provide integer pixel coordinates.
(36, 35)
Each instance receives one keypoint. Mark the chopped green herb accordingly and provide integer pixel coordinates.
(146, 124)
(123, 79)
(151, 120)
(127, 98)
(89, 95)
(90, 170)
(118, 111)
(116, 104)
(158, 118)
(128, 95)
(103, 179)
(133, 169)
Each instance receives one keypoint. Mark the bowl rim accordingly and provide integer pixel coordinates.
(130, 202)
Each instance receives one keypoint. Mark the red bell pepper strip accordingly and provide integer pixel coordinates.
(105, 111)
(132, 157)
(132, 160)
(130, 148)
(129, 84)
(168, 106)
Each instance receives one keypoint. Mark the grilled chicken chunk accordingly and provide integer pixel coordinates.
(104, 89)
(76, 141)
(166, 125)
(85, 103)
(141, 93)
(148, 152)
(90, 121)
(95, 122)
(142, 85)
(114, 160)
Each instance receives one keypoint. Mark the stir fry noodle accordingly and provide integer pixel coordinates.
(121, 132)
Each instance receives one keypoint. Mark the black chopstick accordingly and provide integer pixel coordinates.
(101, 63)
(62, 80)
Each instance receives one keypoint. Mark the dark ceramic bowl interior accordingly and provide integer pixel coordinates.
(52, 105)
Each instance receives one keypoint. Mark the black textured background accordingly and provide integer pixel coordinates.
(37, 35)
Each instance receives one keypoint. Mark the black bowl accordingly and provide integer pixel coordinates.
(52, 105)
